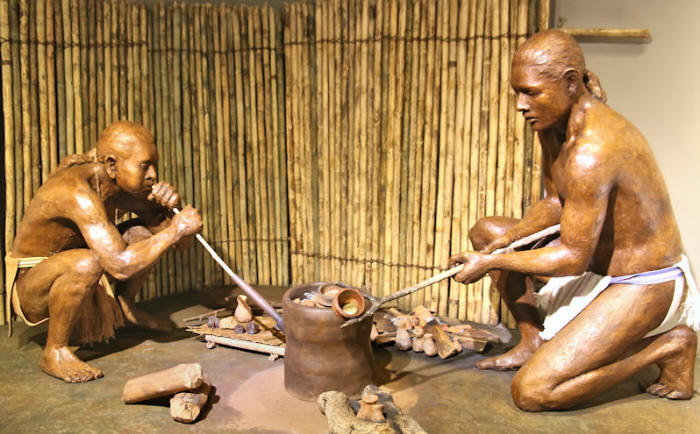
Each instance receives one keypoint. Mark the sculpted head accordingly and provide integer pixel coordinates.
(129, 155)
(549, 75)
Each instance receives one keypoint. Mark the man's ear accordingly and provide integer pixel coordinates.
(111, 166)
(571, 76)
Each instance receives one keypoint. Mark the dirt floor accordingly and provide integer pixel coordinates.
(444, 396)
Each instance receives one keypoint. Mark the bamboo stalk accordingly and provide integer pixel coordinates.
(210, 124)
(43, 88)
(474, 147)
(455, 302)
(432, 116)
(154, 58)
(248, 248)
(229, 164)
(354, 142)
(145, 82)
(90, 92)
(322, 111)
(26, 119)
(114, 37)
(198, 189)
(363, 244)
(417, 136)
(179, 147)
(307, 145)
(518, 151)
(59, 69)
(406, 165)
(383, 18)
(77, 87)
(488, 315)
(253, 222)
(34, 99)
(253, 216)
(10, 144)
(263, 137)
(188, 133)
(484, 143)
(218, 151)
(290, 81)
(271, 150)
(344, 140)
(17, 111)
(643, 34)
(85, 103)
(279, 159)
(375, 147)
(100, 63)
(133, 67)
(52, 157)
(353, 148)
(107, 40)
(544, 15)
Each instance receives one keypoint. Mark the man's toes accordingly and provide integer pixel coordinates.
(675, 394)
(659, 389)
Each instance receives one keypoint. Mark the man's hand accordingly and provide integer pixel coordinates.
(165, 195)
(476, 265)
(188, 221)
(503, 241)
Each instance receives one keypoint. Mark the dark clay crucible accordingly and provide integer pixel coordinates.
(319, 355)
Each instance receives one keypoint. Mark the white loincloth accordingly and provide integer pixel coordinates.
(562, 298)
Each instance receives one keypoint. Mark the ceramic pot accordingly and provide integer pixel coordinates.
(319, 355)
(349, 303)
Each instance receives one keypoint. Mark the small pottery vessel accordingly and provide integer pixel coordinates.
(403, 339)
(370, 409)
(429, 346)
(349, 303)
(243, 313)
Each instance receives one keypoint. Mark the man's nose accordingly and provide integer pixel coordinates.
(521, 103)
(151, 173)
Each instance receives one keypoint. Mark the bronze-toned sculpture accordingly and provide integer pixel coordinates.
(603, 186)
(68, 249)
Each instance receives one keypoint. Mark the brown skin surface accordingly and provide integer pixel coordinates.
(69, 220)
(604, 187)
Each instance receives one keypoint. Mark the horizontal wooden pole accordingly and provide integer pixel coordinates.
(609, 33)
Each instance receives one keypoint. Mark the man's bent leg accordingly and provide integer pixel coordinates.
(127, 290)
(604, 345)
(57, 288)
(517, 291)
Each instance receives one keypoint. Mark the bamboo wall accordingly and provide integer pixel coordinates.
(401, 133)
(343, 140)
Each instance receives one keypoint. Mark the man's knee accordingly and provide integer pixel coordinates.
(485, 230)
(531, 392)
(86, 268)
(135, 234)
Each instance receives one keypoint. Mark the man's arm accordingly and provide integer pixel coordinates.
(588, 189)
(155, 210)
(105, 241)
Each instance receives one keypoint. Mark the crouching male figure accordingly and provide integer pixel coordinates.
(618, 236)
(68, 249)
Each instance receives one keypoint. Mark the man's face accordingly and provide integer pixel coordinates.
(545, 103)
(136, 168)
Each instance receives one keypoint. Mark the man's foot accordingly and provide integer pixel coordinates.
(62, 363)
(513, 359)
(138, 317)
(676, 378)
